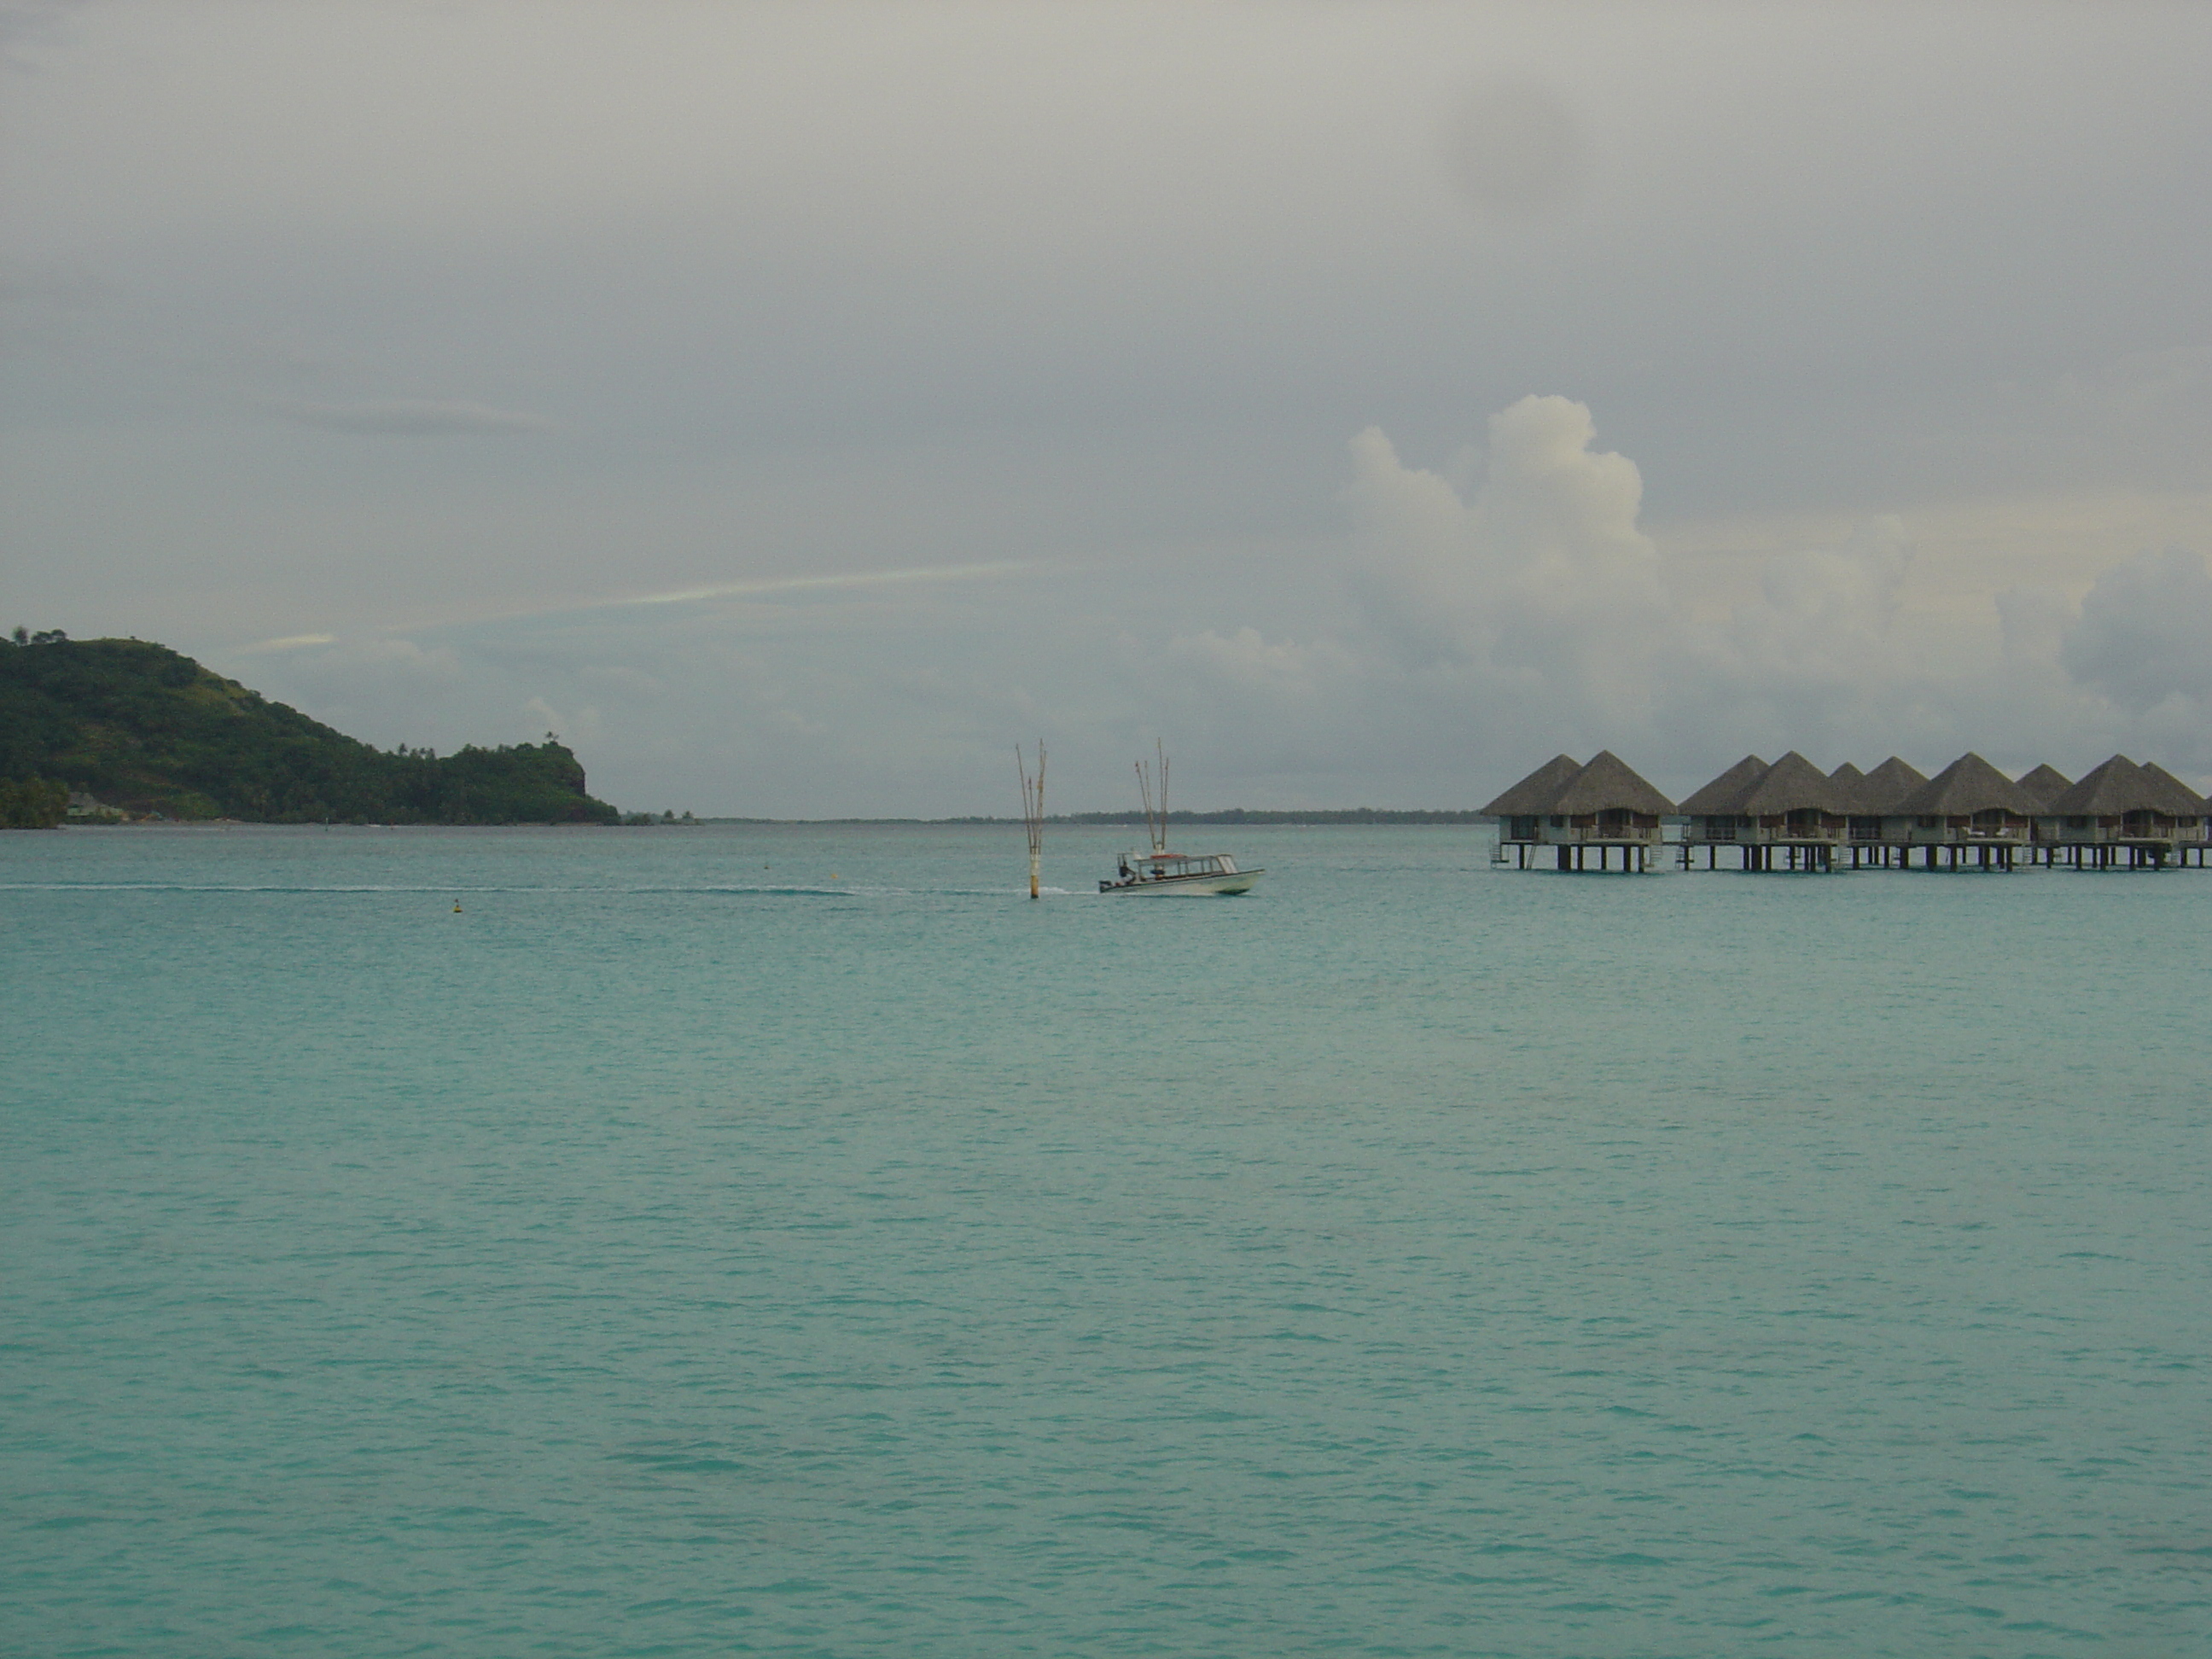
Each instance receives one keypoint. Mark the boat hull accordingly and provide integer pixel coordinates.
(1218, 883)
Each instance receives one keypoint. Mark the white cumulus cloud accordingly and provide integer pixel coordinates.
(1511, 605)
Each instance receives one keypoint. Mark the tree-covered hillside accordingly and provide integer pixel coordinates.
(148, 731)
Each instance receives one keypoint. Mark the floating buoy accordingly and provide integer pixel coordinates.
(457, 907)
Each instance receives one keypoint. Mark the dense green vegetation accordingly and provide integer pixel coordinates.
(32, 803)
(148, 731)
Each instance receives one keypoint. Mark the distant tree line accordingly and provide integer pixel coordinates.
(32, 803)
(1259, 816)
(149, 732)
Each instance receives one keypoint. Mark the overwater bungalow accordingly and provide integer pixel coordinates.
(1869, 794)
(1520, 812)
(1603, 805)
(1877, 795)
(1968, 812)
(1968, 816)
(1716, 811)
(2121, 814)
(2188, 848)
(1797, 810)
(1789, 815)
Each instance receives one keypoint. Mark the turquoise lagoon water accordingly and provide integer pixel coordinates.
(791, 1241)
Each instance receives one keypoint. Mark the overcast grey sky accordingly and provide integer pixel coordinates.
(795, 406)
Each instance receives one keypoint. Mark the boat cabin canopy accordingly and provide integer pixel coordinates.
(1180, 864)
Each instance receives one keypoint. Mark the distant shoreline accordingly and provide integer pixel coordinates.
(1319, 818)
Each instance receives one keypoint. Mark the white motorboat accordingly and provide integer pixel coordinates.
(1200, 874)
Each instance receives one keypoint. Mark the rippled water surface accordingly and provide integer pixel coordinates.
(794, 1241)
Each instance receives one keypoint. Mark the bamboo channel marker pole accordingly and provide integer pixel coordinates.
(1032, 809)
(1156, 822)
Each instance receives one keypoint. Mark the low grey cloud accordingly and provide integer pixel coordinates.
(1515, 151)
(1471, 620)
(1101, 292)
(2144, 636)
(411, 419)
(32, 22)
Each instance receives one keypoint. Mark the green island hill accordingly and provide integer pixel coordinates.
(111, 729)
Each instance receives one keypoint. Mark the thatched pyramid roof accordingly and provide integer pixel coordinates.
(1535, 793)
(2120, 785)
(1887, 787)
(1848, 781)
(2177, 791)
(1969, 784)
(1606, 784)
(2106, 790)
(2046, 783)
(1793, 784)
(1723, 793)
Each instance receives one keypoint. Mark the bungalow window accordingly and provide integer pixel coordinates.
(1928, 823)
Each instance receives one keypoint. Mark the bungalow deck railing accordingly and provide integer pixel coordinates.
(1589, 834)
(1694, 834)
(2180, 835)
(1764, 835)
(1860, 832)
(1962, 835)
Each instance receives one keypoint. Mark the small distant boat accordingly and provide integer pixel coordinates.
(1196, 873)
(1200, 874)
